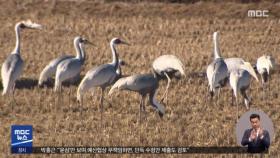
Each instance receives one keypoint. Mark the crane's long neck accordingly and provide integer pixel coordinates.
(83, 53)
(216, 48)
(119, 70)
(115, 61)
(17, 47)
(154, 103)
(78, 50)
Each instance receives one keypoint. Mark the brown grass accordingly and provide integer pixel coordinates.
(152, 29)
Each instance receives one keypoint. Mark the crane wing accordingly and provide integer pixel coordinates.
(165, 62)
(10, 71)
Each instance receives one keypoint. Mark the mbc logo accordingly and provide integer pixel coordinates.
(21, 132)
(258, 13)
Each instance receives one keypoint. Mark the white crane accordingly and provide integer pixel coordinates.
(101, 76)
(265, 64)
(233, 63)
(217, 71)
(144, 84)
(240, 81)
(71, 67)
(13, 65)
(50, 69)
(168, 66)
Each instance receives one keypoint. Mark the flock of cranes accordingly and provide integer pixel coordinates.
(220, 71)
(236, 72)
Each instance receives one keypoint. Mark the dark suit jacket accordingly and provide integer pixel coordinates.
(258, 145)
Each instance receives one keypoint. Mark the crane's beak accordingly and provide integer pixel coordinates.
(123, 42)
(88, 42)
(31, 25)
(34, 26)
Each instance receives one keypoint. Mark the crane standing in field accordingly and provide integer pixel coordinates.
(13, 65)
(233, 64)
(101, 76)
(144, 84)
(119, 75)
(217, 71)
(168, 66)
(265, 64)
(70, 67)
(50, 69)
(240, 81)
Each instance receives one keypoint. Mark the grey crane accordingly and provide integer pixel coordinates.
(71, 67)
(217, 71)
(240, 79)
(101, 76)
(144, 84)
(168, 66)
(13, 65)
(50, 69)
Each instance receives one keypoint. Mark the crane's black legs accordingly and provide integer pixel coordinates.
(69, 99)
(232, 100)
(246, 98)
(13, 102)
(219, 91)
(140, 110)
(237, 114)
(101, 107)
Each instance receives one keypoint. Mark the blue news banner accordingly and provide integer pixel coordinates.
(22, 143)
(21, 139)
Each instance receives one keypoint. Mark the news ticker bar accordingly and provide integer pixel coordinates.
(136, 150)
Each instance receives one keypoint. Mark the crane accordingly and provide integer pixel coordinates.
(168, 66)
(240, 81)
(144, 84)
(71, 67)
(101, 76)
(13, 65)
(50, 69)
(265, 64)
(217, 71)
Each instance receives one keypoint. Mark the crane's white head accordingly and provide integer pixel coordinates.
(248, 67)
(28, 24)
(118, 41)
(79, 40)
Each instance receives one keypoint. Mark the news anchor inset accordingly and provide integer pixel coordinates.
(255, 131)
(256, 138)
